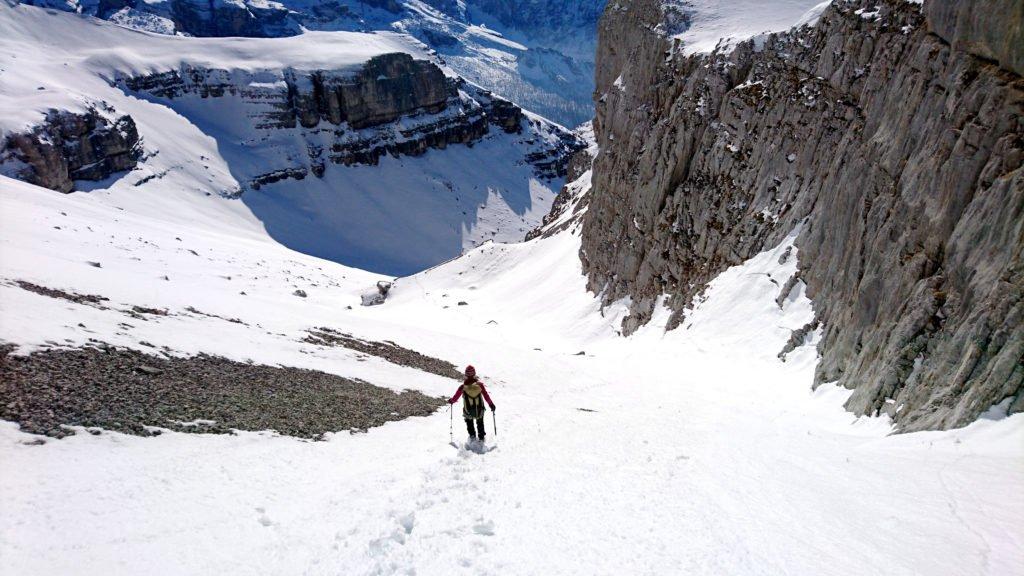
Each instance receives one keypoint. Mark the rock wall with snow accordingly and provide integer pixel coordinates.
(892, 137)
(537, 53)
(395, 105)
(71, 146)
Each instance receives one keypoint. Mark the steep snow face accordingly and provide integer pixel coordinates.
(538, 54)
(224, 126)
(725, 436)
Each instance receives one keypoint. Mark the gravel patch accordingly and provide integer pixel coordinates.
(89, 299)
(387, 350)
(129, 391)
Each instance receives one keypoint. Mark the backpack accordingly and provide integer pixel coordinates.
(472, 400)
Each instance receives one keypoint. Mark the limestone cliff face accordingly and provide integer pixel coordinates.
(893, 138)
(394, 105)
(71, 146)
(387, 87)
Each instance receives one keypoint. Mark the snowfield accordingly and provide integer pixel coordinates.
(402, 216)
(721, 24)
(53, 52)
(695, 451)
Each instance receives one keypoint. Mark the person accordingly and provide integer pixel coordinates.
(473, 394)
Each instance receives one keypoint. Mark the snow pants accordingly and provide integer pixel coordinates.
(479, 432)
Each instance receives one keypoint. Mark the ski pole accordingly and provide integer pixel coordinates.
(494, 418)
(451, 435)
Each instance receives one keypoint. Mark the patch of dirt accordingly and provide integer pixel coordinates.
(128, 391)
(387, 350)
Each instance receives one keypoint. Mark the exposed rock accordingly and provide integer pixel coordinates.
(378, 297)
(131, 392)
(899, 156)
(278, 175)
(787, 289)
(387, 87)
(70, 146)
(993, 30)
(352, 116)
(798, 338)
(572, 200)
(246, 18)
(387, 350)
(87, 299)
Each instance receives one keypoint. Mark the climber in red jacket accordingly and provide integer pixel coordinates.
(473, 395)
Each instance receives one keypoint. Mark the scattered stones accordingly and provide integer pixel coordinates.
(219, 317)
(88, 299)
(387, 350)
(129, 391)
(147, 310)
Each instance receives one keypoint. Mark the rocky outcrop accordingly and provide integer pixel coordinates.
(70, 146)
(393, 105)
(571, 203)
(894, 140)
(388, 87)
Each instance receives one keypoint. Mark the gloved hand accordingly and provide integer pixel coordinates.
(493, 408)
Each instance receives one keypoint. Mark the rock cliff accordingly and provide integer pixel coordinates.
(547, 69)
(67, 146)
(892, 138)
(394, 105)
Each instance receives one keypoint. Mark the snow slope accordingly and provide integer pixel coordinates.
(55, 60)
(537, 54)
(695, 451)
(400, 217)
(711, 24)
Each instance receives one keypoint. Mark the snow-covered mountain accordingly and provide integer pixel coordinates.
(537, 53)
(590, 424)
(360, 148)
(184, 392)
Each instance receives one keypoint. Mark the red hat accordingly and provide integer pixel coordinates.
(470, 370)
